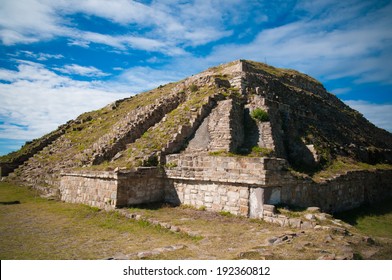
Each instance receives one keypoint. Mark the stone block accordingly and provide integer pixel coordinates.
(269, 208)
(307, 225)
(310, 217)
(216, 207)
(244, 210)
(296, 223)
(233, 195)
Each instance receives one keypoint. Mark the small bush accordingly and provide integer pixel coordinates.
(260, 151)
(193, 88)
(260, 115)
(226, 214)
(217, 153)
(171, 165)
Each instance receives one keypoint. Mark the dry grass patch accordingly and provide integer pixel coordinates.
(41, 229)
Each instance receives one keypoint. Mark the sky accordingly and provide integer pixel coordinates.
(61, 58)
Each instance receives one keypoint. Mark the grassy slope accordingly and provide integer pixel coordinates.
(341, 165)
(89, 127)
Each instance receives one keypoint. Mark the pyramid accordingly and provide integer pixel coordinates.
(238, 137)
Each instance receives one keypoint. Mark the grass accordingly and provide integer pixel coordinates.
(261, 152)
(374, 220)
(226, 214)
(280, 72)
(41, 229)
(260, 115)
(256, 151)
(341, 165)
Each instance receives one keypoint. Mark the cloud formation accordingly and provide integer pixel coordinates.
(378, 114)
(332, 44)
(36, 100)
(171, 26)
(74, 69)
(64, 57)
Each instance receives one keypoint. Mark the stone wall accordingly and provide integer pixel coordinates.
(108, 190)
(144, 185)
(225, 126)
(212, 196)
(245, 170)
(300, 115)
(269, 182)
(219, 183)
(342, 193)
(35, 146)
(132, 126)
(221, 130)
(240, 193)
(236, 124)
(98, 189)
(266, 134)
(199, 120)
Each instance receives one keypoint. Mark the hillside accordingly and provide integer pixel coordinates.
(309, 127)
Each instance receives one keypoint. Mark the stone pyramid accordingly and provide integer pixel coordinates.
(237, 137)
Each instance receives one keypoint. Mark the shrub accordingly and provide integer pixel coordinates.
(260, 115)
(226, 214)
(193, 88)
(263, 152)
(171, 165)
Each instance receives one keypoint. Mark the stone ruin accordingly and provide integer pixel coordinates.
(224, 159)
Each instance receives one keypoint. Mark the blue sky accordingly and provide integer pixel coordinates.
(61, 58)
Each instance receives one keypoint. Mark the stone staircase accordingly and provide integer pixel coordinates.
(132, 126)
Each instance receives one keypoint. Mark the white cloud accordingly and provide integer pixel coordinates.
(74, 69)
(46, 56)
(170, 27)
(328, 39)
(78, 42)
(38, 100)
(41, 56)
(27, 21)
(341, 91)
(379, 114)
(143, 78)
(119, 11)
(175, 23)
(123, 42)
(35, 100)
(346, 45)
